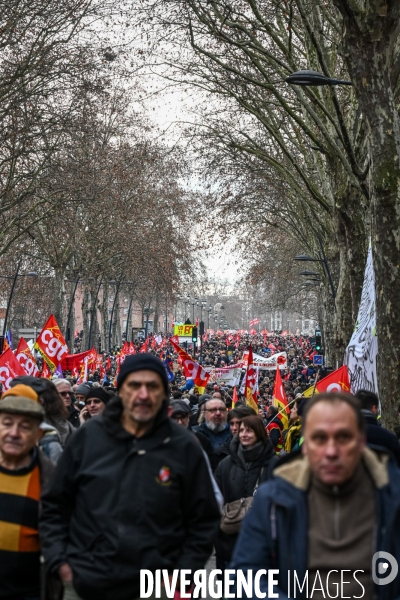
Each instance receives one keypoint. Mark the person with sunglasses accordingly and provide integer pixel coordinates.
(65, 391)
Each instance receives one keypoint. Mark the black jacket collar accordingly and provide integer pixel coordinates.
(159, 432)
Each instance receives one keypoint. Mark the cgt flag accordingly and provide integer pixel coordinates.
(191, 368)
(26, 359)
(250, 386)
(10, 368)
(280, 400)
(51, 343)
(338, 381)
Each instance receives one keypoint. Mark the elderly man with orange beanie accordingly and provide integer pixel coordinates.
(24, 474)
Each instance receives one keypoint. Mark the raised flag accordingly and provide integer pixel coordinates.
(45, 374)
(51, 343)
(132, 349)
(280, 400)
(26, 359)
(362, 351)
(168, 364)
(10, 368)
(338, 381)
(235, 397)
(250, 386)
(74, 361)
(191, 368)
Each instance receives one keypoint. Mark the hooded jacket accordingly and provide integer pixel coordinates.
(379, 438)
(237, 477)
(118, 504)
(275, 531)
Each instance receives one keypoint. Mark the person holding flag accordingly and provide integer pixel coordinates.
(251, 383)
(277, 414)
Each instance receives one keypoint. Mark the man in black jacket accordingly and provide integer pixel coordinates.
(131, 492)
(378, 437)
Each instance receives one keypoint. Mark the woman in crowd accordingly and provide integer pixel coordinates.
(240, 473)
(57, 414)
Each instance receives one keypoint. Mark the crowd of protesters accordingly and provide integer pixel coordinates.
(130, 471)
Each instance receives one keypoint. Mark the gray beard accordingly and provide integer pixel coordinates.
(216, 428)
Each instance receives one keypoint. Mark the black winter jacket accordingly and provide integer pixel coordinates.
(379, 438)
(118, 504)
(237, 478)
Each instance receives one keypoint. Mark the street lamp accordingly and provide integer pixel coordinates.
(306, 257)
(187, 302)
(309, 273)
(313, 78)
(194, 303)
(203, 304)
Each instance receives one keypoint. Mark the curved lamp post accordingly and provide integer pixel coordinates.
(313, 78)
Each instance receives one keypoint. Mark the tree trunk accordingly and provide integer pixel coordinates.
(59, 295)
(369, 43)
(156, 314)
(104, 317)
(352, 252)
(85, 319)
(116, 325)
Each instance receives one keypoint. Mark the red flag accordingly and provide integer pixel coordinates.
(280, 400)
(234, 397)
(26, 359)
(338, 381)
(108, 363)
(191, 368)
(51, 343)
(46, 373)
(132, 349)
(250, 386)
(72, 361)
(10, 368)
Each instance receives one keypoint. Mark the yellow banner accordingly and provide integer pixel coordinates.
(183, 330)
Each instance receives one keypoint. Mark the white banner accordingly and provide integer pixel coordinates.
(360, 356)
(228, 376)
(268, 364)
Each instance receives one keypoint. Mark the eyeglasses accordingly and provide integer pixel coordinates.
(65, 393)
(215, 410)
(179, 417)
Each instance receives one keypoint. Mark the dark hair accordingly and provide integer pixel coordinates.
(273, 411)
(233, 414)
(245, 411)
(52, 401)
(368, 399)
(257, 425)
(349, 399)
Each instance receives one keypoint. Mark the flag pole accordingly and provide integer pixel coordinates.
(283, 409)
(316, 381)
